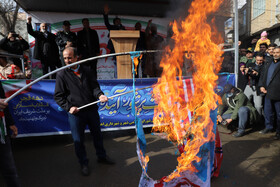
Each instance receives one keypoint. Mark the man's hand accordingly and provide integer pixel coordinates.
(103, 98)
(255, 72)
(220, 119)
(15, 131)
(73, 110)
(29, 19)
(68, 44)
(229, 121)
(3, 105)
(106, 9)
(10, 35)
(263, 90)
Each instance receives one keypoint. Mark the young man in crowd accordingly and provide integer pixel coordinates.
(14, 44)
(236, 108)
(249, 57)
(74, 88)
(252, 90)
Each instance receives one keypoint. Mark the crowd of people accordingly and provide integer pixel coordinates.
(75, 86)
(49, 47)
(256, 98)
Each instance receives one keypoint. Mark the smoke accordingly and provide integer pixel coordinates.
(178, 9)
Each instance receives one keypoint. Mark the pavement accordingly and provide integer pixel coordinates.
(251, 160)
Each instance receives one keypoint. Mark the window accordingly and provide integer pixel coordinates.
(258, 7)
(244, 17)
(277, 11)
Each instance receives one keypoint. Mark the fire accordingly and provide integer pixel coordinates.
(136, 63)
(196, 40)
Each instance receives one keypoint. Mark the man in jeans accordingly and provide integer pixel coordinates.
(74, 88)
(7, 163)
(270, 86)
(252, 90)
(236, 107)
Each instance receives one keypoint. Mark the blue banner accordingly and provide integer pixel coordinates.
(36, 113)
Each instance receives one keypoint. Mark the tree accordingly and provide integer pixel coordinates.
(8, 16)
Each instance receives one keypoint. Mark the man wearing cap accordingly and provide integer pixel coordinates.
(65, 38)
(249, 58)
(236, 107)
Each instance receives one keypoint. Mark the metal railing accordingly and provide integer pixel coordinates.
(9, 55)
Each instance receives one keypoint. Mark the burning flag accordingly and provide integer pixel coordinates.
(183, 116)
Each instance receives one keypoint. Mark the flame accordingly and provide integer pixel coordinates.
(196, 40)
(136, 62)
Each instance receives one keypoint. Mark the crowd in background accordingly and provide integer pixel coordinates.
(49, 47)
(256, 98)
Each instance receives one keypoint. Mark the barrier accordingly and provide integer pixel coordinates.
(36, 114)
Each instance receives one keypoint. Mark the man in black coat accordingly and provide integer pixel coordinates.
(14, 44)
(65, 38)
(270, 85)
(252, 90)
(88, 45)
(74, 88)
(45, 49)
(7, 163)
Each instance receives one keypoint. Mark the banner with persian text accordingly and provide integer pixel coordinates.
(36, 113)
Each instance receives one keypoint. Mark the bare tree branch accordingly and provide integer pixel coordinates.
(8, 15)
(15, 15)
(2, 34)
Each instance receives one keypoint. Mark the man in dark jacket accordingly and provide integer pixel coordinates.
(252, 89)
(88, 45)
(14, 44)
(45, 49)
(141, 46)
(153, 42)
(7, 163)
(65, 38)
(74, 88)
(117, 25)
(270, 85)
(236, 106)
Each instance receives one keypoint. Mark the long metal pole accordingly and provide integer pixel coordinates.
(73, 64)
(236, 39)
(22, 65)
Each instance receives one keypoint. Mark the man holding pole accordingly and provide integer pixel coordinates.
(74, 88)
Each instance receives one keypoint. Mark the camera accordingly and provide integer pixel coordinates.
(251, 69)
(224, 122)
(14, 35)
